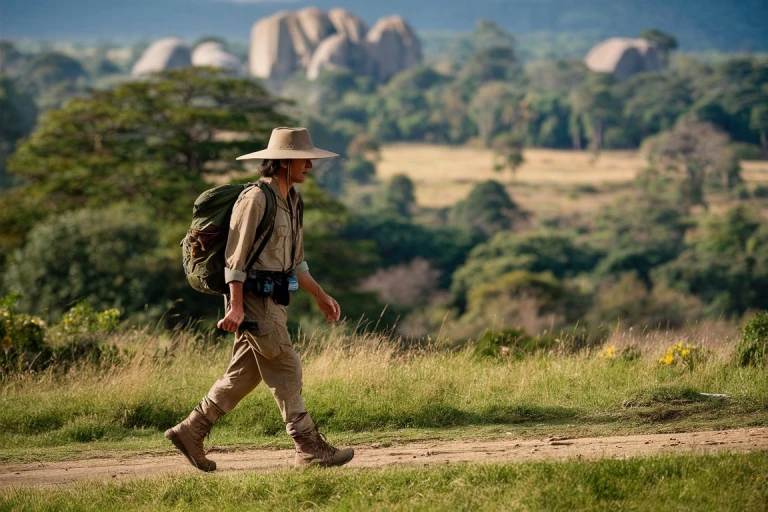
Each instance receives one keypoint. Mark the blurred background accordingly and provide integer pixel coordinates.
(545, 165)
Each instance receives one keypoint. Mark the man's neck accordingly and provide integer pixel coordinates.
(284, 184)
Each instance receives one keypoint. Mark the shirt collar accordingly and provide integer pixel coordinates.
(279, 195)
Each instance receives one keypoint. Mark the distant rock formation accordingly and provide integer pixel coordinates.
(214, 55)
(624, 57)
(168, 53)
(276, 42)
(315, 24)
(348, 24)
(312, 41)
(394, 47)
(338, 53)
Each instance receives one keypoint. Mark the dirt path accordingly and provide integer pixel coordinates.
(422, 453)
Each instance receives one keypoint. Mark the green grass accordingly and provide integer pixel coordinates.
(736, 482)
(364, 389)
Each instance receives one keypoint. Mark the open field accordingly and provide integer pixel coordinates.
(737, 482)
(549, 182)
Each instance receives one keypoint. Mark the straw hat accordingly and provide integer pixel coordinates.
(289, 143)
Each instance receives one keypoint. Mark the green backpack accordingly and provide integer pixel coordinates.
(203, 247)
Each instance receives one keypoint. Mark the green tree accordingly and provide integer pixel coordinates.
(666, 43)
(695, 154)
(398, 197)
(540, 251)
(17, 118)
(399, 242)
(510, 148)
(492, 108)
(726, 264)
(359, 170)
(595, 104)
(638, 234)
(758, 121)
(103, 256)
(653, 102)
(487, 208)
(149, 142)
(488, 53)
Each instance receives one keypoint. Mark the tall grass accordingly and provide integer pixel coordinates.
(359, 383)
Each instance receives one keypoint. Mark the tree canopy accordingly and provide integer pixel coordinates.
(148, 142)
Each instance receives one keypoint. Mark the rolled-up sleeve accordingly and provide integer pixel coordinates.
(246, 215)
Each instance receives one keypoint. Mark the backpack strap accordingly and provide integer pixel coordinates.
(301, 210)
(267, 222)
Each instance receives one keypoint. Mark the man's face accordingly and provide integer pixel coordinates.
(298, 169)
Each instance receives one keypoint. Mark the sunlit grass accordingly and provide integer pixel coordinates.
(736, 482)
(363, 383)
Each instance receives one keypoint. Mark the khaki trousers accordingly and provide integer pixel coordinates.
(265, 355)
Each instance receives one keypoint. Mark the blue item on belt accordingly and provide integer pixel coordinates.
(293, 283)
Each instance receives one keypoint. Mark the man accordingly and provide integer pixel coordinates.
(263, 351)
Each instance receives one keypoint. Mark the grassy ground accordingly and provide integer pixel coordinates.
(364, 389)
(722, 482)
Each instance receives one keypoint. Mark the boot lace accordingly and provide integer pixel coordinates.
(321, 445)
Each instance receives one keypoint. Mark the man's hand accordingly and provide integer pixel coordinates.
(235, 315)
(325, 302)
(329, 307)
(231, 320)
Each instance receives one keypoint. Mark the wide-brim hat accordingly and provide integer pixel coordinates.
(285, 143)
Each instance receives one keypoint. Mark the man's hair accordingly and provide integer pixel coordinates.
(269, 168)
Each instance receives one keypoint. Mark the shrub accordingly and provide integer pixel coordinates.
(359, 170)
(27, 345)
(22, 339)
(107, 257)
(684, 355)
(512, 343)
(629, 353)
(760, 191)
(752, 349)
(79, 336)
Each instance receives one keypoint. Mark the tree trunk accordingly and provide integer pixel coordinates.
(598, 135)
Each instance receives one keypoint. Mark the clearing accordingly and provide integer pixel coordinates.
(550, 182)
(373, 456)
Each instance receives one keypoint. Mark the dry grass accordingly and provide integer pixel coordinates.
(445, 174)
(720, 337)
(755, 171)
(550, 182)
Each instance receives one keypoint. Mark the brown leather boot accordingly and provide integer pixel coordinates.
(313, 449)
(188, 435)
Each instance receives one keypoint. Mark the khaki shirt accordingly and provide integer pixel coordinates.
(286, 240)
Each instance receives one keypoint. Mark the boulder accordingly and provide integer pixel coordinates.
(339, 52)
(316, 25)
(168, 53)
(393, 47)
(313, 41)
(348, 24)
(214, 55)
(624, 57)
(278, 46)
